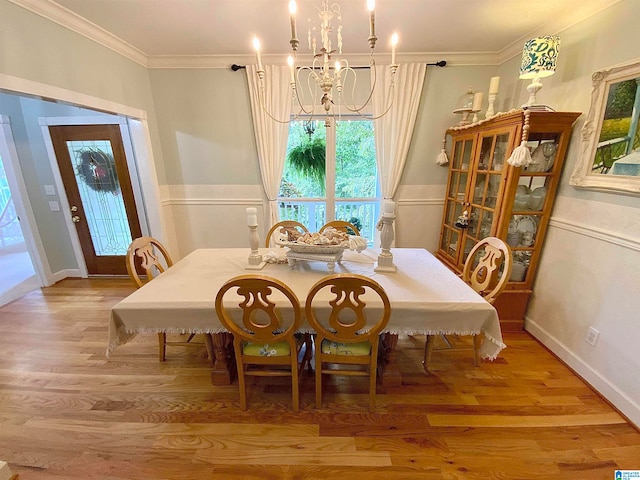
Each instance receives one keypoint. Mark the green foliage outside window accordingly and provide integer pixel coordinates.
(305, 167)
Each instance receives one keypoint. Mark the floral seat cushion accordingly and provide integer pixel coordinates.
(338, 348)
(276, 349)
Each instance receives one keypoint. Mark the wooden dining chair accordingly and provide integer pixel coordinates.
(264, 338)
(342, 226)
(146, 259)
(487, 270)
(345, 335)
(284, 225)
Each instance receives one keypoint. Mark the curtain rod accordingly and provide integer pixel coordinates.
(235, 67)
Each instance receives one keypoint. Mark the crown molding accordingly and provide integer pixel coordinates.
(68, 19)
(71, 21)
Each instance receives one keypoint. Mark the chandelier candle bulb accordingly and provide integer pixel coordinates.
(256, 47)
(371, 5)
(292, 11)
(493, 85)
(394, 42)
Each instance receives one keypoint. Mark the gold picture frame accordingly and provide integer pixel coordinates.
(610, 156)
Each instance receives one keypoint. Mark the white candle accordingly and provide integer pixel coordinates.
(371, 5)
(252, 216)
(292, 11)
(389, 207)
(394, 42)
(493, 85)
(256, 46)
(477, 102)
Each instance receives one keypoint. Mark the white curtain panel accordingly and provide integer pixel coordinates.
(393, 131)
(271, 133)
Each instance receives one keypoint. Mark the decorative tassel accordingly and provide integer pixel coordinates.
(521, 156)
(442, 156)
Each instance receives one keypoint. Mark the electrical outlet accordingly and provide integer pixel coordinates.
(592, 336)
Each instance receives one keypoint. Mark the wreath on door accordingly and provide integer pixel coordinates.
(98, 170)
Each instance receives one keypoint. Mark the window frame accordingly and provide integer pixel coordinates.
(330, 200)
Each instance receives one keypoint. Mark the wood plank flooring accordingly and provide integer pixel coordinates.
(66, 412)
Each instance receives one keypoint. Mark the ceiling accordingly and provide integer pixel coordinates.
(177, 28)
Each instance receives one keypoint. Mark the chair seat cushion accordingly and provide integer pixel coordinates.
(336, 348)
(277, 349)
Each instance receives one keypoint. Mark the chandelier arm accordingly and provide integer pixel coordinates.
(391, 96)
(356, 109)
(264, 105)
(311, 76)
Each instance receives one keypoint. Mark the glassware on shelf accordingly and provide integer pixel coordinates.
(549, 152)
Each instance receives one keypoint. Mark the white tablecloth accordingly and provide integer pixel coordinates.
(426, 297)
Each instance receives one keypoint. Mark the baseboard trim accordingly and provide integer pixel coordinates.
(610, 392)
(69, 272)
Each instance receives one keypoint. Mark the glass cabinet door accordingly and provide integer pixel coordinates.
(529, 214)
(486, 189)
(456, 198)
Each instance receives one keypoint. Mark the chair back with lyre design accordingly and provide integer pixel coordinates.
(342, 226)
(283, 226)
(150, 255)
(488, 270)
(263, 315)
(345, 334)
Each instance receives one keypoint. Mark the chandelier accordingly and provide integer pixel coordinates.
(329, 72)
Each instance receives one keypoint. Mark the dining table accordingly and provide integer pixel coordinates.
(426, 299)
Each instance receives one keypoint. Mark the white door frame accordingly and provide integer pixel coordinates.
(22, 204)
(140, 143)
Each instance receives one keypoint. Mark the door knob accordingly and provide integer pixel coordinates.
(75, 219)
(74, 208)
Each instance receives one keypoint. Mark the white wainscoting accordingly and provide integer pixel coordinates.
(589, 277)
(209, 216)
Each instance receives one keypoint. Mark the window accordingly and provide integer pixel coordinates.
(331, 174)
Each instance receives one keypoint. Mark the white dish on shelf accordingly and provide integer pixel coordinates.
(526, 224)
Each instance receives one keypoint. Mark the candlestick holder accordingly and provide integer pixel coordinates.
(492, 99)
(385, 258)
(255, 258)
(475, 116)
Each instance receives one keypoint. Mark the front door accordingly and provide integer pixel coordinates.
(96, 179)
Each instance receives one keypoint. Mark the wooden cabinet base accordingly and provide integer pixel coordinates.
(511, 306)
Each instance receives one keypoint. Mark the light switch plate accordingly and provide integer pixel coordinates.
(54, 206)
(49, 190)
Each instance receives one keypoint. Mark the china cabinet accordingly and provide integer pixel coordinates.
(486, 196)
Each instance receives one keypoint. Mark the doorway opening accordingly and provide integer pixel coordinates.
(18, 273)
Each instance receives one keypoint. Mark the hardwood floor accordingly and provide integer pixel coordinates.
(66, 412)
